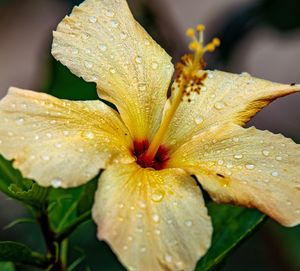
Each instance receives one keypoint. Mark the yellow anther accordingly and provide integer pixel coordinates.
(210, 47)
(200, 27)
(216, 42)
(194, 45)
(190, 32)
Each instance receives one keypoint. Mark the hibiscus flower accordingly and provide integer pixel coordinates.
(148, 206)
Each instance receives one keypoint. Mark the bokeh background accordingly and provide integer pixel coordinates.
(261, 37)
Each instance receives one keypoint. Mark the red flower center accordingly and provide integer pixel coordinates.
(158, 162)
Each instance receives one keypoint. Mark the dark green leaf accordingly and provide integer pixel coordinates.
(33, 194)
(7, 266)
(19, 253)
(86, 200)
(19, 221)
(231, 225)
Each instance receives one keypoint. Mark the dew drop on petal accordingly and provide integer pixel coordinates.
(109, 13)
(219, 105)
(188, 223)
(155, 217)
(45, 157)
(89, 135)
(138, 60)
(168, 258)
(235, 139)
(265, 152)
(250, 166)
(112, 70)
(56, 183)
(278, 158)
(274, 173)
(123, 35)
(238, 156)
(114, 23)
(93, 19)
(220, 162)
(88, 64)
(102, 47)
(154, 65)
(198, 120)
(20, 121)
(75, 51)
(157, 196)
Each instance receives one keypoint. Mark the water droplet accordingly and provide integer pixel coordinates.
(157, 232)
(106, 139)
(138, 59)
(89, 135)
(93, 19)
(66, 133)
(250, 166)
(58, 145)
(235, 139)
(75, 51)
(265, 152)
(142, 204)
(112, 70)
(147, 42)
(155, 217)
(142, 86)
(109, 13)
(238, 156)
(168, 258)
(143, 249)
(154, 65)
(297, 211)
(219, 105)
(129, 238)
(188, 223)
(102, 47)
(289, 203)
(85, 35)
(36, 137)
(125, 247)
(20, 121)
(52, 121)
(274, 173)
(170, 221)
(210, 75)
(198, 120)
(220, 162)
(121, 205)
(88, 64)
(244, 74)
(45, 157)
(278, 158)
(157, 196)
(123, 35)
(56, 183)
(114, 23)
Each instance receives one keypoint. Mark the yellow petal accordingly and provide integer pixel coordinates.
(224, 97)
(58, 142)
(248, 167)
(101, 42)
(153, 220)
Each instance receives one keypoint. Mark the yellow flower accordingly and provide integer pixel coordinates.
(147, 206)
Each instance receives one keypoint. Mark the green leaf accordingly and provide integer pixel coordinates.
(86, 200)
(7, 266)
(19, 253)
(231, 225)
(63, 204)
(32, 195)
(18, 221)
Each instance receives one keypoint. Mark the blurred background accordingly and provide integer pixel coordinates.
(261, 37)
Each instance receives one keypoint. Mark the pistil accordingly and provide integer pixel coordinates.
(189, 70)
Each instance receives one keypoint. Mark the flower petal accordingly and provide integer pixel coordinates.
(224, 97)
(59, 142)
(153, 220)
(101, 42)
(248, 167)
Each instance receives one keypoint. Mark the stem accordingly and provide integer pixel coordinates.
(53, 246)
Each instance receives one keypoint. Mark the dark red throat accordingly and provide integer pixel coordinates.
(158, 162)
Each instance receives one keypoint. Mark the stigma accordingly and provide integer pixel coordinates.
(190, 76)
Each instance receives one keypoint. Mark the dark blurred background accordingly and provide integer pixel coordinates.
(261, 37)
